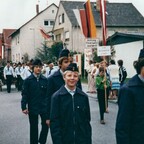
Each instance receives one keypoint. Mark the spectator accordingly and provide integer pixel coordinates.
(113, 71)
(122, 72)
(102, 85)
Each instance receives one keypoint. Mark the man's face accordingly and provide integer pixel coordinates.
(71, 79)
(37, 69)
(142, 71)
(50, 65)
(65, 64)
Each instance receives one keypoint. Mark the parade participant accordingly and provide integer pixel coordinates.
(102, 85)
(27, 70)
(130, 117)
(34, 101)
(8, 75)
(50, 69)
(70, 112)
(18, 71)
(56, 80)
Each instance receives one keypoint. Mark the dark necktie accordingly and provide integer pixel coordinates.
(50, 71)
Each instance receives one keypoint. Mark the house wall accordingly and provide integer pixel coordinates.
(0, 46)
(30, 38)
(128, 52)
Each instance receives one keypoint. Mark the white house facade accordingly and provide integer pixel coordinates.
(28, 38)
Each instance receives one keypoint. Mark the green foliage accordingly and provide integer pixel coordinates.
(46, 53)
(56, 48)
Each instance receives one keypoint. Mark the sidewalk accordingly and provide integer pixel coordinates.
(94, 95)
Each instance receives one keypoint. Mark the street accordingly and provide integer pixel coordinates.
(14, 125)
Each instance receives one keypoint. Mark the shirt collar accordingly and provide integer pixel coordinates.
(70, 91)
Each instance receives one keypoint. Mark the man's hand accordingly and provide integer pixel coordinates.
(25, 111)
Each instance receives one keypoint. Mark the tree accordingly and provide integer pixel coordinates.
(46, 53)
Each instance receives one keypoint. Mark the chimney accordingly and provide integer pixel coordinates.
(37, 9)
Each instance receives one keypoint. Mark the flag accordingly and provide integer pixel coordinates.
(103, 19)
(84, 22)
(44, 34)
(90, 20)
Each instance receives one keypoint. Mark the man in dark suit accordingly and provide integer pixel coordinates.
(34, 103)
(56, 80)
(130, 118)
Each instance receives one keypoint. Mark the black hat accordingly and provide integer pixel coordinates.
(19, 63)
(64, 53)
(72, 67)
(141, 55)
(37, 62)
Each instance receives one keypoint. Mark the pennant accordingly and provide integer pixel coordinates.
(90, 20)
(46, 36)
(103, 20)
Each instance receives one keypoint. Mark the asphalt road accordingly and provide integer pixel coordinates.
(14, 126)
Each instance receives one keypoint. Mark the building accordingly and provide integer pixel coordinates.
(121, 17)
(0, 45)
(27, 39)
(6, 44)
(127, 47)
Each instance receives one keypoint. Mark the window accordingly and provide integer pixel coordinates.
(67, 35)
(52, 11)
(58, 37)
(51, 23)
(62, 18)
(46, 22)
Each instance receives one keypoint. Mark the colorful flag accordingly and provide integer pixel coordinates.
(44, 34)
(103, 19)
(90, 20)
(84, 22)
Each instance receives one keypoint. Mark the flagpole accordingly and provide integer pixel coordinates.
(104, 35)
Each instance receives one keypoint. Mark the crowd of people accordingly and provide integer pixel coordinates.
(56, 96)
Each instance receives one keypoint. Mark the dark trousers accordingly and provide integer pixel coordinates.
(34, 138)
(19, 83)
(9, 79)
(102, 102)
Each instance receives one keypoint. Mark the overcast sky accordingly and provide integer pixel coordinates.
(14, 13)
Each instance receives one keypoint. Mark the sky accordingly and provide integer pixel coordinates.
(14, 13)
